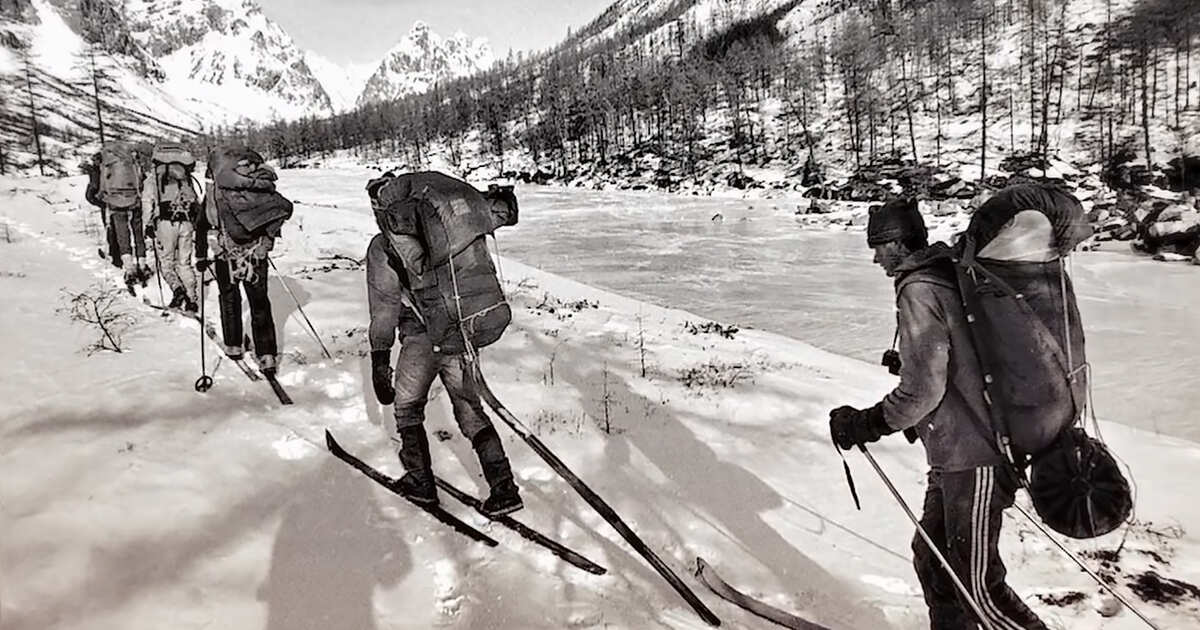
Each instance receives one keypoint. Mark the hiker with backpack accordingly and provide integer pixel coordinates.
(92, 195)
(118, 189)
(169, 206)
(941, 395)
(993, 379)
(244, 214)
(432, 284)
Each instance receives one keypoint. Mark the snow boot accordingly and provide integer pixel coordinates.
(505, 497)
(144, 273)
(233, 352)
(417, 483)
(178, 295)
(130, 272)
(268, 364)
(189, 305)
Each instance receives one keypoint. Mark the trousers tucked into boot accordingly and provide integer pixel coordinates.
(417, 483)
(504, 497)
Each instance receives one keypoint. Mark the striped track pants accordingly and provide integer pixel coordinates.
(963, 514)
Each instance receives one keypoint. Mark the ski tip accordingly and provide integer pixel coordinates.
(701, 565)
(330, 442)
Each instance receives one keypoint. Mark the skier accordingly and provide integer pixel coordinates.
(169, 209)
(93, 196)
(119, 189)
(240, 193)
(941, 395)
(394, 313)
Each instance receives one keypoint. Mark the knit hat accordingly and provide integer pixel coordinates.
(896, 220)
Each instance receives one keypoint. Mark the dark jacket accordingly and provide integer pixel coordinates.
(941, 386)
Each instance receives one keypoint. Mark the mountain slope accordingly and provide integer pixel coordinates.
(62, 94)
(228, 60)
(343, 84)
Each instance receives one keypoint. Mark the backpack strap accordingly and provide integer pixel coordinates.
(966, 271)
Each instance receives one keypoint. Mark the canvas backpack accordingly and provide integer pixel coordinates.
(247, 205)
(1020, 305)
(458, 294)
(120, 177)
(177, 196)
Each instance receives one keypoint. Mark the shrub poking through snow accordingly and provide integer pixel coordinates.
(561, 309)
(1063, 600)
(100, 306)
(711, 328)
(714, 374)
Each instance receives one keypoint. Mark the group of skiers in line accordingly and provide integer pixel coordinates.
(152, 193)
(242, 213)
(431, 285)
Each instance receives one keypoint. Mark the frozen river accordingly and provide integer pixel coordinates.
(755, 267)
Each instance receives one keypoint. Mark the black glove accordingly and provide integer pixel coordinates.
(381, 376)
(150, 230)
(203, 264)
(851, 427)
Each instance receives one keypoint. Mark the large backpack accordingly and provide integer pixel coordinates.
(177, 198)
(120, 177)
(458, 295)
(1027, 333)
(247, 204)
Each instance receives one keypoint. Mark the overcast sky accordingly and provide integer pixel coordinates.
(358, 31)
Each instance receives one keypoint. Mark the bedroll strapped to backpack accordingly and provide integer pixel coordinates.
(247, 203)
(173, 153)
(456, 292)
(1021, 307)
(120, 176)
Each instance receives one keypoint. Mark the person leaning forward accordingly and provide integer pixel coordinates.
(394, 314)
(941, 395)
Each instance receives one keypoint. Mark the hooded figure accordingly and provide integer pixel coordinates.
(940, 395)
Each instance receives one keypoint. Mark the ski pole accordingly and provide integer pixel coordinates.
(983, 620)
(158, 268)
(1079, 562)
(300, 309)
(598, 504)
(205, 382)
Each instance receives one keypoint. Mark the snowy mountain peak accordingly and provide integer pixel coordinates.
(222, 52)
(420, 59)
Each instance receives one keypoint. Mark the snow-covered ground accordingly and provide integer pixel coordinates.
(130, 501)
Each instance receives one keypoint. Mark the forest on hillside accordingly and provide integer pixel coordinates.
(854, 91)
